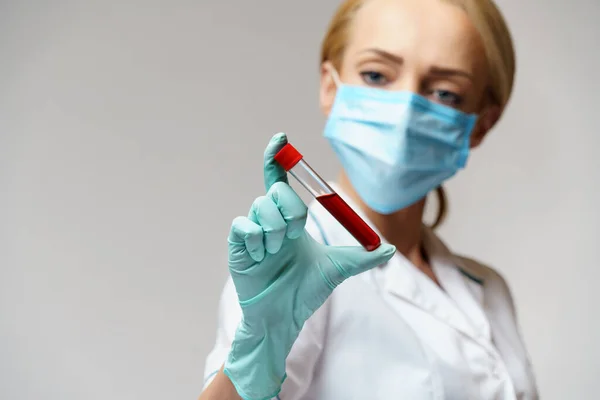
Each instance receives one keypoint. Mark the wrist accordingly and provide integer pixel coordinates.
(256, 364)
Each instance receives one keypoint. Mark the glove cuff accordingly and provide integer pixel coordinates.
(255, 365)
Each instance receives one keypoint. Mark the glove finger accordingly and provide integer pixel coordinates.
(246, 236)
(273, 172)
(350, 261)
(265, 213)
(291, 207)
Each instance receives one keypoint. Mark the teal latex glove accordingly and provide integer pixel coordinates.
(282, 276)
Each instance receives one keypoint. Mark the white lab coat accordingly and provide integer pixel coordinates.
(391, 333)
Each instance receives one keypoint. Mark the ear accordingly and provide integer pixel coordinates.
(488, 118)
(327, 89)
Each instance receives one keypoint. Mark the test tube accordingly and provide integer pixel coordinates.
(293, 162)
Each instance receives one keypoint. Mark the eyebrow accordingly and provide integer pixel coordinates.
(440, 71)
(450, 72)
(382, 53)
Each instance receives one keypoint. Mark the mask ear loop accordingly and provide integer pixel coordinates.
(334, 75)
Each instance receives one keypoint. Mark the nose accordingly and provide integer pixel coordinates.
(408, 80)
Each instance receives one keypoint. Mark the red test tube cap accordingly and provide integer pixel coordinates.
(288, 157)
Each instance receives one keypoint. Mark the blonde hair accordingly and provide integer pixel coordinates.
(496, 39)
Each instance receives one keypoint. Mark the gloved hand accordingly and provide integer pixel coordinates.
(282, 276)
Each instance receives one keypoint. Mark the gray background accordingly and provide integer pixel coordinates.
(131, 133)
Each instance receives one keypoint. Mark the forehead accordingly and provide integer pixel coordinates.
(427, 32)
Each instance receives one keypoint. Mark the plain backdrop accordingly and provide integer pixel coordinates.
(132, 132)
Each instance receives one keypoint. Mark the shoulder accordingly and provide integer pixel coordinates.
(480, 270)
(500, 308)
(495, 287)
(482, 277)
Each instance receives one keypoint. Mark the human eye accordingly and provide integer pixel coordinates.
(447, 97)
(374, 78)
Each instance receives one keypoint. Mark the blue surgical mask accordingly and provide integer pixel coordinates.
(396, 147)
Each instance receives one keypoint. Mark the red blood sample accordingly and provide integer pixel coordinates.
(350, 220)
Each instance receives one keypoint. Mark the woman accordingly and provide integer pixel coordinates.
(409, 86)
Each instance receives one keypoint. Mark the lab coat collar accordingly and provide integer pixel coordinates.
(459, 285)
(458, 304)
(452, 304)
